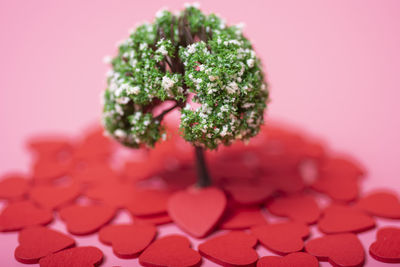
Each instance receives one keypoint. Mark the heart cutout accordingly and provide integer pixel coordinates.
(340, 219)
(298, 259)
(282, 238)
(18, 215)
(197, 210)
(53, 197)
(127, 240)
(339, 249)
(381, 204)
(13, 186)
(37, 242)
(231, 249)
(301, 208)
(148, 202)
(84, 220)
(74, 257)
(248, 193)
(339, 187)
(242, 218)
(386, 248)
(172, 250)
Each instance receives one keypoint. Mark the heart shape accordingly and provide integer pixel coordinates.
(298, 259)
(53, 197)
(50, 146)
(148, 202)
(13, 186)
(154, 220)
(242, 218)
(128, 240)
(340, 219)
(171, 250)
(387, 246)
(253, 192)
(115, 194)
(382, 204)
(48, 169)
(339, 187)
(301, 208)
(197, 210)
(18, 215)
(282, 238)
(232, 249)
(74, 257)
(37, 242)
(84, 220)
(338, 249)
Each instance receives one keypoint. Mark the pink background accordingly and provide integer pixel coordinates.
(333, 68)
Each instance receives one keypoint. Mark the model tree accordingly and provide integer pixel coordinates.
(186, 58)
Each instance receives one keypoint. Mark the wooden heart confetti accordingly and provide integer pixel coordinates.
(242, 218)
(197, 210)
(18, 215)
(298, 259)
(340, 187)
(74, 257)
(84, 220)
(339, 249)
(386, 248)
(37, 242)
(53, 197)
(341, 219)
(13, 186)
(282, 238)
(148, 202)
(172, 250)
(231, 249)
(301, 208)
(381, 204)
(127, 240)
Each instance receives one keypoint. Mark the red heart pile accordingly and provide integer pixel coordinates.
(261, 193)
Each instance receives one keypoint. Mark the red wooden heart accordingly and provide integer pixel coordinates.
(242, 218)
(73, 257)
(13, 186)
(339, 187)
(342, 165)
(127, 240)
(250, 192)
(83, 220)
(282, 238)
(381, 204)
(148, 202)
(155, 220)
(48, 169)
(298, 259)
(339, 249)
(112, 194)
(197, 210)
(53, 197)
(172, 250)
(37, 242)
(231, 249)
(341, 219)
(301, 208)
(22, 214)
(387, 246)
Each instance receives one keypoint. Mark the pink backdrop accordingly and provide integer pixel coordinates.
(333, 67)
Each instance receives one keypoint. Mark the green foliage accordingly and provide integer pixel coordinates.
(219, 70)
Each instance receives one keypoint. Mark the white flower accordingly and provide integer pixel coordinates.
(142, 46)
(194, 4)
(213, 78)
(162, 50)
(133, 90)
(224, 131)
(232, 87)
(120, 133)
(167, 83)
(107, 59)
(191, 48)
(250, 62)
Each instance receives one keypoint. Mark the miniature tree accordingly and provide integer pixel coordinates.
(183, 58)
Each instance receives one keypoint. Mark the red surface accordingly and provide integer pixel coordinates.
(298, 259)
(38, 242)
(172, 250)
(197, 211)
(339, 250)
(282, 238)
(53, 197)
(13, 186)
(231, 249)
(386, 248)
(381, 204)
(73, 257)
(127, 240)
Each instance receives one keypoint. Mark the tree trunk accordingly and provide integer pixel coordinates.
(203, 178)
